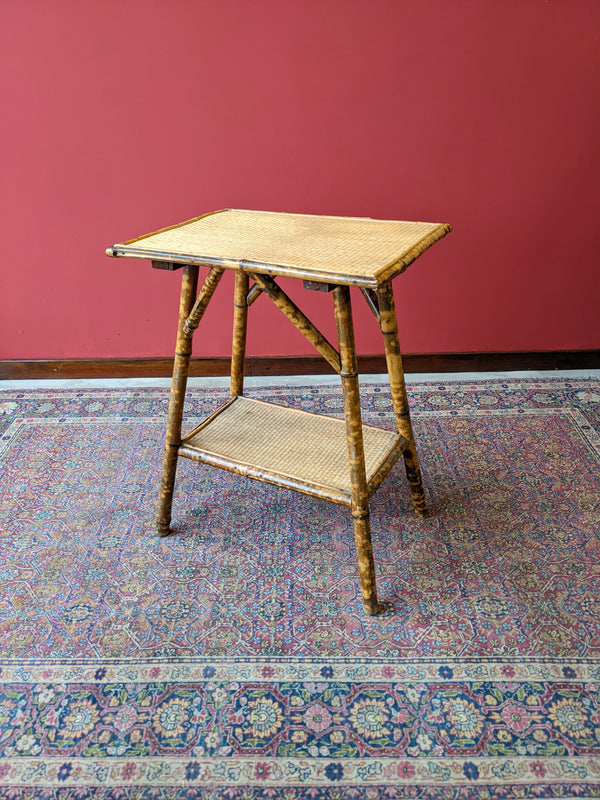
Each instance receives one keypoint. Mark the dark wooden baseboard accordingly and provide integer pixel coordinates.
(297, 365)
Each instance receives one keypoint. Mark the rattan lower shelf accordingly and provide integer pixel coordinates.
(290, 448)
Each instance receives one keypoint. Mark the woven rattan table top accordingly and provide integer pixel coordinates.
(339, 250)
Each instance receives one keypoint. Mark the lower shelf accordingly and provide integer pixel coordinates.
(290, 448)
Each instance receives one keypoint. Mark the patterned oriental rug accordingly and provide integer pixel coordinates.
(233, 660)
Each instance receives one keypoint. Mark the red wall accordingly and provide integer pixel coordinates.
(123, 116)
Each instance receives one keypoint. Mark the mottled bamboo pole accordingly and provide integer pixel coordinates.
(253, 294)
(293, 313)
(210, 284)
(389, 329)
(240, 319)
(356, 455)
(183, 351)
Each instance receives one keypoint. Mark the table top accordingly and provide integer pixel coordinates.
(339, 250)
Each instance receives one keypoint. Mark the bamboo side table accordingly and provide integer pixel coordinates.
(342, 461)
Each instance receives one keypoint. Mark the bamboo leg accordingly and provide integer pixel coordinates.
(360, 498)
(183, 351)
(240, 319)
(389, 329)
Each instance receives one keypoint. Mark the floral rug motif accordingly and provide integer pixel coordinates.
(233, 659)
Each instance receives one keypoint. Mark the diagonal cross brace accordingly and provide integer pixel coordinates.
(253, 294)
(207, 291)
(372, 301)
(300, 320)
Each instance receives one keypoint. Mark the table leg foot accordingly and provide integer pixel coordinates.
(372, 608)
(167, 485)
(366, 564)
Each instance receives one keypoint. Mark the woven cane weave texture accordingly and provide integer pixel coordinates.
(290, 442)
(336, 245)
